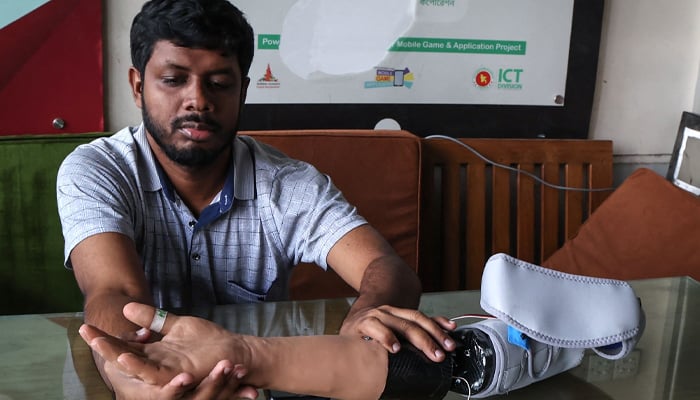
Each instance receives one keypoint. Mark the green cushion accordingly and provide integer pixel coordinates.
(32, 276)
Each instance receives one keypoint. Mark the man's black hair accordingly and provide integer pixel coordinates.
(201, 24)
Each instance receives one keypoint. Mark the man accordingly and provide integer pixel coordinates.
(181, 212)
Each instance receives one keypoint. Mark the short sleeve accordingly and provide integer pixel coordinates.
(91, 191)
(310, 213)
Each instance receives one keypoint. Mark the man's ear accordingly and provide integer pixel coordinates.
(136, 83)
(244, 89)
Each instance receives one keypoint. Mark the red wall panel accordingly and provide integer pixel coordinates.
(52, 68)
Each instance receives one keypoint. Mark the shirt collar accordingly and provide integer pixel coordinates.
(244, 171)
(240, 180)
(149, 170)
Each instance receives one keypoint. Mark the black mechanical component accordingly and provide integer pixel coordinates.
(413, 376)
(474, 361)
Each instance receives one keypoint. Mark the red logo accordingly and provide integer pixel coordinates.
(483, 78)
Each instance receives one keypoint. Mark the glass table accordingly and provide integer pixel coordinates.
(43, 356)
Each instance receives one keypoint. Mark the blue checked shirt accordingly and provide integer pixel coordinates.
(272, 213)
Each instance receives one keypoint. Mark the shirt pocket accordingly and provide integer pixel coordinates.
(236, 293)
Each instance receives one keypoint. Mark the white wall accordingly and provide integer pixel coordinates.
(120, 110)
(647, 74)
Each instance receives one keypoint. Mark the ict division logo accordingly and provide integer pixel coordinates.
(507, 78)
(390, 77)
(483, 78)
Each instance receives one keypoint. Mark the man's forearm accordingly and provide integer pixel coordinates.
(386, 311)
(329, 366)
(388, 281)
(105, 312)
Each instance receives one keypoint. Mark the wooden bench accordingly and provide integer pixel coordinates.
(444, 209)
(471, 209)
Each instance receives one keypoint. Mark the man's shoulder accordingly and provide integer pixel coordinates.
(113, 156)
(271, 159)
(116, 147)
(284, 177)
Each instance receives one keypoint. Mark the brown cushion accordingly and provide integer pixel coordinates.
(647, 228)
(377, 171)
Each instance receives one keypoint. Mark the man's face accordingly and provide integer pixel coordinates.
(190, 100)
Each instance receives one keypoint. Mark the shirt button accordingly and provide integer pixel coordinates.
(192, 224)
(196, 256)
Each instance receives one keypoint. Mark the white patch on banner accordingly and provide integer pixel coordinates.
(342, 37)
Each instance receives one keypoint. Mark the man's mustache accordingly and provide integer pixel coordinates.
(196, 118)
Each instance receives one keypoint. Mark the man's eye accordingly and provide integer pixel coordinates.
(171, 80)
(220, 84)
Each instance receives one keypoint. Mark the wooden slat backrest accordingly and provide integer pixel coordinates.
(471, 209)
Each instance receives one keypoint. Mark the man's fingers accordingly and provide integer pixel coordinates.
(142, 335)
(105, 349)
(420, 339)
(378, 330)
(126, 357)
(143, 315)
(445, 323)
(89, 332)
(212, 384)
(234, 389)
(413, 320)
(383, 333)
(106, 346)
(144, 369)
(421, 331)
(178, 387)
(245, 392)
(223, 382)
(415, 335)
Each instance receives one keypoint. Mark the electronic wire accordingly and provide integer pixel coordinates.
(517, 170)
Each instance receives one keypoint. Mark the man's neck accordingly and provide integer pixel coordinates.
(196, 186)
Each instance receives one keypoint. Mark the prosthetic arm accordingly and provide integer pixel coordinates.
(543, 321)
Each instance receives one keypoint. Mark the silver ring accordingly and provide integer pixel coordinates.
(158, 320)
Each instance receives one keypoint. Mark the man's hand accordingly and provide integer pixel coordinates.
(383, 323)
(370, 265)
(186, 363)
(221, 383)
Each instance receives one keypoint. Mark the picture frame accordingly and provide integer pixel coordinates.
(684, 167)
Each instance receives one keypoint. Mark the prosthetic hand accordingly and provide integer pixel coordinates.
(543, 321)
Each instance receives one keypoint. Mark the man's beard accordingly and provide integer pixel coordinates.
(188, 157)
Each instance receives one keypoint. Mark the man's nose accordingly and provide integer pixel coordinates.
(197, 97)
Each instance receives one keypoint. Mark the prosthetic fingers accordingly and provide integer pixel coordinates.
(543, 321)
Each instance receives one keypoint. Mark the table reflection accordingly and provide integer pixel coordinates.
(43, 357)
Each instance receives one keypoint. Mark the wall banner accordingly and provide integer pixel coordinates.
(459, 52)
